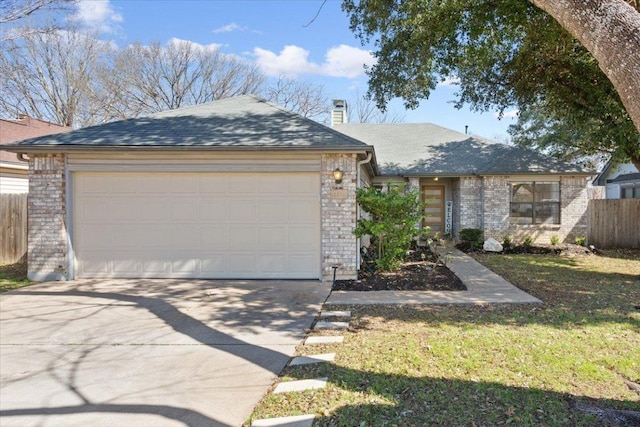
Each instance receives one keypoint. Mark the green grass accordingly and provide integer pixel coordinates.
(523, 365)
(13, 276)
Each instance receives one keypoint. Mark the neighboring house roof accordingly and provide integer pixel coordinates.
(428, 149)
(23, 128)
(243, 122)
(625, 178)
(602, 178)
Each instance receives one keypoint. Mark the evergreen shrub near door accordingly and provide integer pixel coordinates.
(393, 216)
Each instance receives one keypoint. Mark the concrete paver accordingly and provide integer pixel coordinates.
(301, 385)
(331, 325)
(316, 358)
(295, 421)
(332, 339)
(335, 313)
(147, 352)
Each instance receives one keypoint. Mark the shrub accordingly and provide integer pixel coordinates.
(506, 241)
(392, 222)
(580, 240)
(472, 237)
(555, 240)
(528, 241)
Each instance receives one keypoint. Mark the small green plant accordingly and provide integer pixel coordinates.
(580, 240)
(527, 241)
(472, 237)
(555, 240)
(506, 241)
(391, 224)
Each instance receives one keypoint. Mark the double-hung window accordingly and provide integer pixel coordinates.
(535, 202)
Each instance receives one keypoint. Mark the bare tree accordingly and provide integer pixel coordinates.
(303, 97)
(14, 12)
(148, 79)
(50, 76)
(364, 110)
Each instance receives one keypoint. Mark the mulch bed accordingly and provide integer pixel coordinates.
(420, 272)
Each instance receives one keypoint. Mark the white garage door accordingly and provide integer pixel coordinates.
(197, 225)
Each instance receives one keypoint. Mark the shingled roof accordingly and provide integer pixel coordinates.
(243, 122)
(428, 149)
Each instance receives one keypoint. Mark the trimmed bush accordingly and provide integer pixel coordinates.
(472, 237)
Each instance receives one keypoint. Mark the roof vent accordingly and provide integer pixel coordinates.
(339, 112)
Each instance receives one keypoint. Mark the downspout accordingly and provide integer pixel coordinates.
(358, 165)
(22, 158)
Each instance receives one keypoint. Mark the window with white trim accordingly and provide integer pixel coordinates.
(535, 202)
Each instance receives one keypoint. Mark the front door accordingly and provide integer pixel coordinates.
(433, 195)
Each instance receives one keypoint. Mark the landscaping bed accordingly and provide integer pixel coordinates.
(422, 271)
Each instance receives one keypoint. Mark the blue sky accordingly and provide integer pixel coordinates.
(275, 36)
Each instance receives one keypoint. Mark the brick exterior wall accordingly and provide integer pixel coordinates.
(338, 203)
(47, 236)
(470, 203)
(495, 190)
(573, 211)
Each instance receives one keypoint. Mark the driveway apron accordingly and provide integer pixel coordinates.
(147, 352)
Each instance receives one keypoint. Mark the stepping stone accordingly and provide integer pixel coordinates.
(296, 421)
(335, 314)
(331, 325)
(324, 340)
(301, 385)
(307, 360)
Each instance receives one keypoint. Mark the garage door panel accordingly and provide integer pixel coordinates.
(301, 238)
(272, 264)
(212, 210)
(241, 210)
(303, 184)
(299, 263)
(242, 265)
(212, 184)
(123, 209)
(95, 209)
(271, 210)
(200, 225)
(272, 238)
(242, 238)
(303, 211)
(151, 209)
(242, 184)
(214, 238)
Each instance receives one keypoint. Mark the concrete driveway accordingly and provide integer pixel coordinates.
(147, 352)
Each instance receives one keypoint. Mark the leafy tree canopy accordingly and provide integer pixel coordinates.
(504, 53)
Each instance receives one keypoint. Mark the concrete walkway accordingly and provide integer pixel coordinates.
(483, 287)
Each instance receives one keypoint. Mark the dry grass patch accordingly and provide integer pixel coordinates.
(524, 365)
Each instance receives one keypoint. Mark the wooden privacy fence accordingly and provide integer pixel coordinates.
(13, 228)
(614, 223)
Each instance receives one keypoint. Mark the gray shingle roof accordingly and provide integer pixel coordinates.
(241, 122)
(428, 149)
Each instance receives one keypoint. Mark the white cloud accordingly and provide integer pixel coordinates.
(229, 28)
(507, 114)
(449, 81)
(339, 61)
(202, 47)
(98, 15)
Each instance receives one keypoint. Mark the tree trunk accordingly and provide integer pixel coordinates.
(610, 30)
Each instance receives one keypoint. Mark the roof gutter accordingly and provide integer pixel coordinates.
(68, 149)
(21, 157)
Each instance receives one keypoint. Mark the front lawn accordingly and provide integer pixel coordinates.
(13, 276)
(523, 365)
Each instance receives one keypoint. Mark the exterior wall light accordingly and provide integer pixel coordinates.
(337, 175)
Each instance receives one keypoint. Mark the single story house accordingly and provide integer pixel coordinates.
(14, 173)
(242, 189)
(621, 180)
